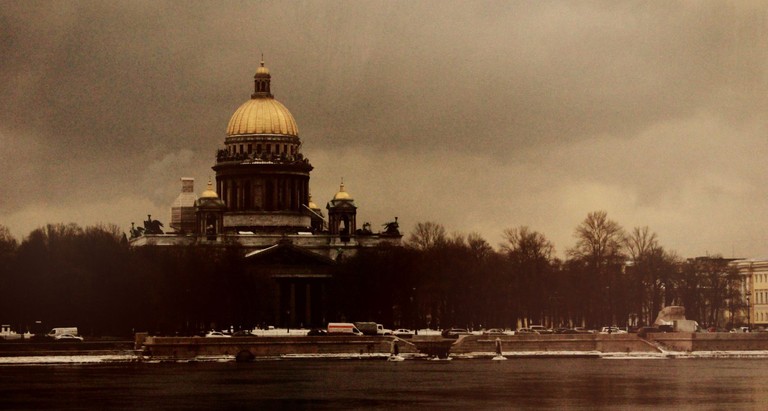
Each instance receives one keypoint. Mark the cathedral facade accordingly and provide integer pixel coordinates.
(261, 202)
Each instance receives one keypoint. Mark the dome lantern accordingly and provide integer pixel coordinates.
(261, 82)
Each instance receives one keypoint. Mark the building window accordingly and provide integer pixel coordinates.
(269, 148)
(250, 147)
(258, 148)
(241, 148)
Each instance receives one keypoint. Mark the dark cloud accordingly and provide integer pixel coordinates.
(480, 116)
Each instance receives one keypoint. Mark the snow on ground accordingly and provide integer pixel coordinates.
(67, 359)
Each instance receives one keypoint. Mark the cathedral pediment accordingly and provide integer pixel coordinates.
(286, 253)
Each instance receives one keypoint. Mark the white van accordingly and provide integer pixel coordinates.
(62, 330)
(343, 328)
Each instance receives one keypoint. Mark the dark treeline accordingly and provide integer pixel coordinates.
(65, 275)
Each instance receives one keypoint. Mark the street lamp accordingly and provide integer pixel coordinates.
(749, 319)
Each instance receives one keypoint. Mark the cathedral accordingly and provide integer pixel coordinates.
(261, 202)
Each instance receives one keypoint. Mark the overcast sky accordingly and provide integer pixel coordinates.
(476, 115)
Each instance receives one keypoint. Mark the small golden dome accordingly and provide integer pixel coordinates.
(312, 205)
(342, 195)
(262, 69)
(209, 193)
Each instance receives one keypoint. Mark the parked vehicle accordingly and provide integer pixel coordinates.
(455, 332)
(371, 328)
(403, 333)
(525, 331)
(612, 330)
(62, 330)
(343, 329)
(495, 331)
(541, 329)
(242, 333)
(216, 334)
(315, 332)
(68, 337)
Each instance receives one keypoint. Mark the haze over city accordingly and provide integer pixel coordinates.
(478, 116)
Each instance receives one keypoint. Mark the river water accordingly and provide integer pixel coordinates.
(321, 384)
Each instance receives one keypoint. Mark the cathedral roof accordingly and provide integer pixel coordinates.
(262, 114)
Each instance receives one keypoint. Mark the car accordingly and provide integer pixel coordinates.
(566, 331)
(612, 330)
(583, 330)
(315, 332)
(454, 332)
(541, 329)
(526, 331)
(495, 331)
(243, 333)
(216, 334)
(68, 337)
(403, 333)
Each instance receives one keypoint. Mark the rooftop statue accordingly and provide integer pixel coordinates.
(392, 228)
(152, 226)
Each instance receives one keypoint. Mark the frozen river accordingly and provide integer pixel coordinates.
(321, 384)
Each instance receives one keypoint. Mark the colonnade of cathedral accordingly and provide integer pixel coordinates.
(265, 193)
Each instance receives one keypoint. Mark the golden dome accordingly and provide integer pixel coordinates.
(262, 70)
(262, 116)
(209, 193)
(312, 205)
(342, 195)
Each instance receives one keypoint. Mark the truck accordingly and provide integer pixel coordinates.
(55, 332)
(371, 328)
(343, 329)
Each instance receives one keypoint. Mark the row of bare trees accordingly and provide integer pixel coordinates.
(91, 277)
(610, 276)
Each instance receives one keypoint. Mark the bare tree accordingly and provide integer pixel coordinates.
(8, 243)
(598, 240)
(598, 250)
(427, 235)
(641, 243)
(479, 247)
(650, 273)
(529, 255)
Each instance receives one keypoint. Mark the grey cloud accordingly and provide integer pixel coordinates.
(634, 98)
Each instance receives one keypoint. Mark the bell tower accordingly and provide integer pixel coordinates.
(342, 215)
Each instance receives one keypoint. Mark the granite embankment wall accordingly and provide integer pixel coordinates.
(191, 347)
(23, 348)
(711, 341)
(605, 343)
